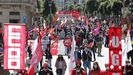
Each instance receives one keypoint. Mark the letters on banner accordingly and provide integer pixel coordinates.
(14, 46)
(115, 50)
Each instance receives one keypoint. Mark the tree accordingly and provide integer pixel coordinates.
(91, 6)
(69, 6)
(49, 10)
(112, 6)
(79, 7)
(38, 5)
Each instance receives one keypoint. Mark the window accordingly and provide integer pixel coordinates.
(14, 20)
(0, 25)
(14, 13)
(0, 13)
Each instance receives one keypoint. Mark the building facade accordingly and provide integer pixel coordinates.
(16, 11)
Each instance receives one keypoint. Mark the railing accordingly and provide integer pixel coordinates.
(31, 2)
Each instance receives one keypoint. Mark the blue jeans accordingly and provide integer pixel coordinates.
(87, 64)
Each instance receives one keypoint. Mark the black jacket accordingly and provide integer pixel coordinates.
(45, 72)
(129, 70)
(87, 55)
(48, 54)
(130, 54)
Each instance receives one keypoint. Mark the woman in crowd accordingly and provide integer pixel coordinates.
(78, 70)
(60, 65)
(96, 66)
(96, 69)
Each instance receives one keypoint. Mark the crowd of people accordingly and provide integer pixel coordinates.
(90, 35)
(89, 40)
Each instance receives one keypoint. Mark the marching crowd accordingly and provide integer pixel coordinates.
(89, 38)
(90, 35)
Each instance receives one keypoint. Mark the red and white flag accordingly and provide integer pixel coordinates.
(72, 58)
(31, 70)
(127, 46)
(34, 45)
(37, 54)
(54, 47)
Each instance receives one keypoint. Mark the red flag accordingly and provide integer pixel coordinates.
(72, 59)
(53, 47)
(98, 24)
(31, 70)
(122, 21)
(113, 24)
(96, 30)
(37, 55)
(87, 21)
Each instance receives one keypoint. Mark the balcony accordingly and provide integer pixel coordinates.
(25, 2)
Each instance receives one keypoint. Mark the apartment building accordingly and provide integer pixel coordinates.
(16, 11)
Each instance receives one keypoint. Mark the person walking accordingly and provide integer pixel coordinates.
(60, 65)
(48, 55)
(78, 70)
(87, 58)
(67, 43)
(99, 45)
(77, 54)
(45, 70)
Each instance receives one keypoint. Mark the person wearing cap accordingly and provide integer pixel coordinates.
(78, 70)
(45, 70)
(60, 65)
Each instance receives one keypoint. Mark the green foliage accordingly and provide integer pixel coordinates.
(110, 6)
(79, 7)
(38, 5)
(91, 6)
(69, 6)
(49, 9)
